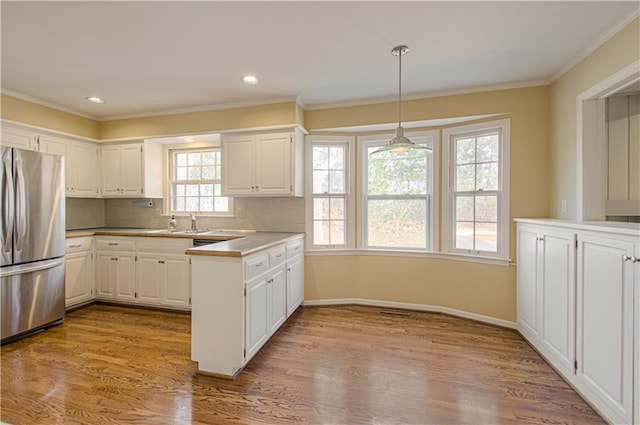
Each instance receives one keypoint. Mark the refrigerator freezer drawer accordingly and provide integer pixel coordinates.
(32, 297)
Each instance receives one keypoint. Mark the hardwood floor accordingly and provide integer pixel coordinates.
(327, 365)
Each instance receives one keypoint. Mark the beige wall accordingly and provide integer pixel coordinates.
(617, 53)
(41, 116)
(201, 122)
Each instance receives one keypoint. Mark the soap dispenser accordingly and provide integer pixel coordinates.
(172, 223)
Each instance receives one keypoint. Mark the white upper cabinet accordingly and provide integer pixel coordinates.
(263, 164)
(18, 138)
(132, 170)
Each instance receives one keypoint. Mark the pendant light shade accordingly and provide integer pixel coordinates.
(399, 143)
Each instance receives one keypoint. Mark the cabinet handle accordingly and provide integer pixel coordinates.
(633, 259)
(539, 239)
(113, 244)
(160, 261)
(75, 246)
(259, 265)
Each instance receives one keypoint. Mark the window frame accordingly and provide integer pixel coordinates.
(348, 142)
(170, 168)
(433, 198)
(502, 126)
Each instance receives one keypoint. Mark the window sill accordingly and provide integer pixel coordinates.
(410, 254)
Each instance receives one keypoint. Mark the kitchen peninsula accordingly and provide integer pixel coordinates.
(242, 291)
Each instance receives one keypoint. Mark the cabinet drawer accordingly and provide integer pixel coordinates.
(115, 244)
(78, 244)
(255, 266)
(167, 245)
(295, 248)
(276, 256)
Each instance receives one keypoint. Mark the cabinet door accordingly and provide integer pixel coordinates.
(605, 325)
(177, 283)
(527, 282)
(53, 145)
(256, 316)
(106, 275)
(18, 138)
(277, 299)
(82, 169)
(557, 252)
(151, 278)
(273, 164)
(110, 170)
(238, 166)
(126, 276)
(131, 170)
(78, 275)
(295, 284)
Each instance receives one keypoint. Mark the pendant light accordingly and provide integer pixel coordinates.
(399, 143)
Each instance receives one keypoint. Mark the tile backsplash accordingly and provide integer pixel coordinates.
(84, 213)
(263, 214)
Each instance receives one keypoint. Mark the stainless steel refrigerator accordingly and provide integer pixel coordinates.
(33, 242)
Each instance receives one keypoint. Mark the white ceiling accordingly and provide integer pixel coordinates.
(150, 57)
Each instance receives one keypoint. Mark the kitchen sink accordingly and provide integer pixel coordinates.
(177, 232)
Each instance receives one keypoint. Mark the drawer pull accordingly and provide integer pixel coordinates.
(75, 246)
(113, 244)
(259, 265)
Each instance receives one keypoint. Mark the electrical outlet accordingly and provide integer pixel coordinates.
(241, 213)
(563, 205)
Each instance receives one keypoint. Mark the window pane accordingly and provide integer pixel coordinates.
(321, 157)
(336, 232)
(487, 148)
(192, 190)
(321, 232)
(336, 158)
(192, 203)
(181, 173)
(397, 223)
(465, 151)
(336, 182)
(194, 173)
(465, 178)
(206, 204)
(194, 158)
(487, 208)
(320, 181)
(180, 204)
(217, 190)
(208, 158)
(321, 209)
(181, 159)
(179, 190)
(464, 235)
(487, 176)
(337, 208)
(218, 172)
(209, 172)
(206, 190)
(464, 208)
(487, 237)
(397, 174)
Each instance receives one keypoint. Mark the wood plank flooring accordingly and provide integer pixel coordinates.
(326, 365)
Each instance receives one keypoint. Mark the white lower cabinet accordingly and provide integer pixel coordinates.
(295, 276)
(576, 288)
(605, 324)
(238, 304)
(116, 275)
(79, 271)
(163, 279)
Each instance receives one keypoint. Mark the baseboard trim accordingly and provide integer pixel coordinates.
(411, 306)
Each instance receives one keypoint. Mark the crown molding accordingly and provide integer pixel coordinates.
(41, 102)
(606, 36)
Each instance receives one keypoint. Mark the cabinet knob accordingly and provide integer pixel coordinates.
(160, 261)
(633, 259)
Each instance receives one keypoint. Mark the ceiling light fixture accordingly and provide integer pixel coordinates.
(399, 143)
(94, 99)
(250, 79)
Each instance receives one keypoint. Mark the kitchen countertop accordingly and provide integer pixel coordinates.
(234, 243)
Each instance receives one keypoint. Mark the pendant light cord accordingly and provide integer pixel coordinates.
(400, 88)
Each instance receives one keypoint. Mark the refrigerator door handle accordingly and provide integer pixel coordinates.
(8, 212)
(21, 207)
(32, 267)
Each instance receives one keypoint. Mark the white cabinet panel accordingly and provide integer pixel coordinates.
(295, 284)
(122, 170)
(528, 286)
(177, 281)
(237, 166)
(78, 275)
(18, 138)
(150, 278)
(277, 299)
(257, 316)
(273, 164)
(605, 324)
(82, 169)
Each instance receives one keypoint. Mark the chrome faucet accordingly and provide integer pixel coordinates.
(193, 222)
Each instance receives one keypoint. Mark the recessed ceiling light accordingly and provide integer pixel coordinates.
(95, 99)
(250, 79)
